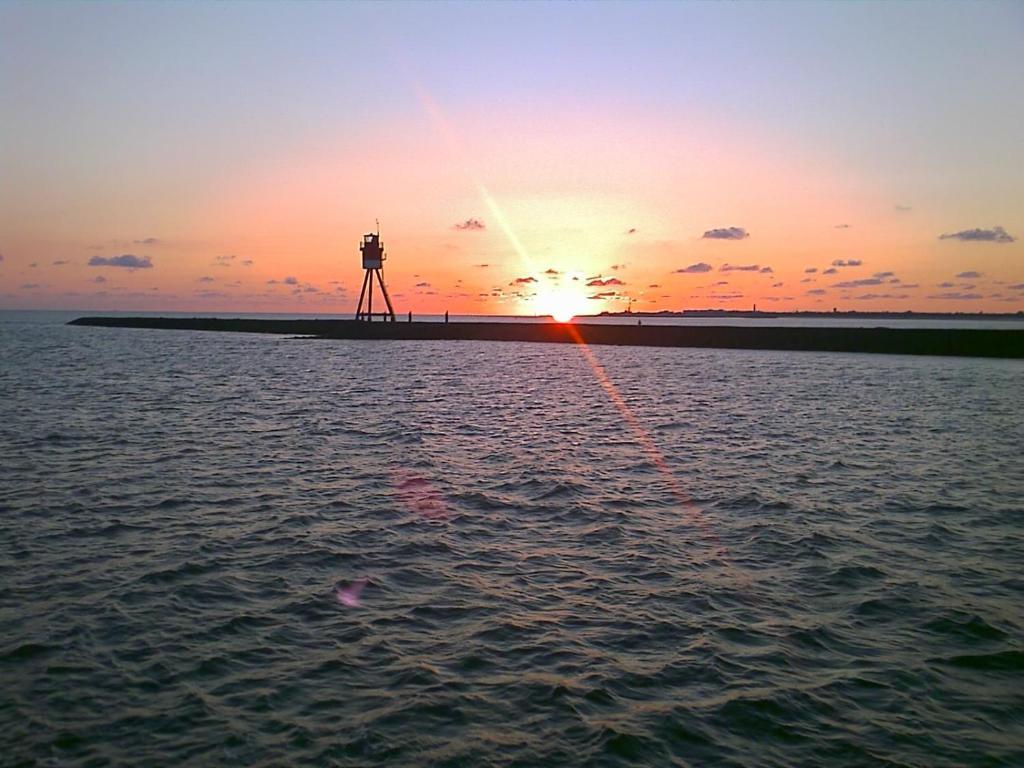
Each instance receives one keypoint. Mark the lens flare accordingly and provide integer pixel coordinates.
(420, 495)
(349, 595)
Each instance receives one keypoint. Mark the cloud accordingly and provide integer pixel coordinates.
(599, 283)
(290, 281)
(146, 241)
(30, 286)
(551, 271)
(604, 295)
(126, 260)
(694, 269)
(726, 233)
(847, 263)
(422, 285)
(810, 270)
(873, 296)
(902, 208)
(205, 279)
(736, 268)
(817, 292)
(631, 231)
(957, 296)
(482, 266)
(884, 274)
(470, 224)
(766, 270)
(725, 296)
(777, 285)
(830, 271)
(808, 280)
(842, 226)
(1016, 287)
(617, 267)
(247, 262)
(523, 280)
(994, 235)
(60, 263)
(858, 283)
(1, 257)
(99, 279)
(969, 275)
(224, 261)
(655, 285)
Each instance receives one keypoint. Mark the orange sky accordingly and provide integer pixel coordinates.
(583, 198)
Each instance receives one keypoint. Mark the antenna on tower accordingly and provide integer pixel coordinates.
(373, 265)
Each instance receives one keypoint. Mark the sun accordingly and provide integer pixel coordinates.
(562, 315)
(562, 302)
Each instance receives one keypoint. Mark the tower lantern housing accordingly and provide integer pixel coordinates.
(373, 251)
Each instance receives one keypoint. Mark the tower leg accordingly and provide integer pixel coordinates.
(366, 295)
(362, 294)
(384, 290)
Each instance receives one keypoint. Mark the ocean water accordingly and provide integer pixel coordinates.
(606, 556)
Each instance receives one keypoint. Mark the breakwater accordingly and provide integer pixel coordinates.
(902, 341)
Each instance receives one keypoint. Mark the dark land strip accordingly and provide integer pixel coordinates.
(967, 342)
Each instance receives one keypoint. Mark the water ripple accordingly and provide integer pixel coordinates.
(830, 577)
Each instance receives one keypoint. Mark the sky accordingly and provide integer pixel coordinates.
(521, 158)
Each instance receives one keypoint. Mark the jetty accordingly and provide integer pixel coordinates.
(965, 342)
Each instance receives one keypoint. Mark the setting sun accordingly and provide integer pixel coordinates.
(562, 302)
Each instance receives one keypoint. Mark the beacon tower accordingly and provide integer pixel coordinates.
(372, 250)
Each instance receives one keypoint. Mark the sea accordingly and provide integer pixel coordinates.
(225, 549)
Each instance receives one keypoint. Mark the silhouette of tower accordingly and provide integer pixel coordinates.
(373, 264)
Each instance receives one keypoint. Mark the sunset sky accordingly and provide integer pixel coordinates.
(519, 157)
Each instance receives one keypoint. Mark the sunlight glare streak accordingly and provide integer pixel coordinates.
(648, 445)
(447, 134)
(560, 303)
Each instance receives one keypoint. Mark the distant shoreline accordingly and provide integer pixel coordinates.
(851, 314)
(964, 342)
